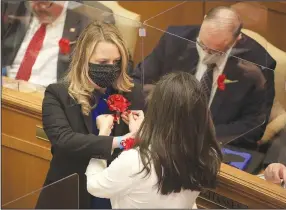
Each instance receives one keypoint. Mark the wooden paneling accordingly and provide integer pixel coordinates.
(22, 173)
(26, 126)
(276, 29)
(25, 158)
(249, 190)
(189, 13)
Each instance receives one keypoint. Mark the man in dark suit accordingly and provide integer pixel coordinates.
(31, 32)
(240, 112)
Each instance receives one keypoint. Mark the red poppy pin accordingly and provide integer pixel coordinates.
(118, 104)
(222, 81)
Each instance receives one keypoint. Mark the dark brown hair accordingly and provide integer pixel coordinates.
(177, 136)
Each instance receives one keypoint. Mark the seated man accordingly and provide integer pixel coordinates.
(38, 37)
(240, 112)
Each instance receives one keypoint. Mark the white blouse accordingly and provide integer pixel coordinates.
(121, 184)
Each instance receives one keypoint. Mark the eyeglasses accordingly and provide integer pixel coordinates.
(209, 50)
(44, 4)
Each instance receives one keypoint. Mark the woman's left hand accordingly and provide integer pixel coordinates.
(125, 117)
(104, 124)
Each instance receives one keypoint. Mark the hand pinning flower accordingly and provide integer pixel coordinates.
(222, 81)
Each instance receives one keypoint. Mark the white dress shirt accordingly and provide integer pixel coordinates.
(218, 70)
(126, 189)
(44, 71)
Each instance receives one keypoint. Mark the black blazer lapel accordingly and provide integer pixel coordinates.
(220, 95)
(121, 128)
(74, 107)
(88, 122)
(217, 100)
(231, 73)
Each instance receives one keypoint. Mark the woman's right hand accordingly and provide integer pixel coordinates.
(275, 172)
(135, 120)
(104, 124)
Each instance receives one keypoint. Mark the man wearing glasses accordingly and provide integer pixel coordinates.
(31, 35)
(240, 109)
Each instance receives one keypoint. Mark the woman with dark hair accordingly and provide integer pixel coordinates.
(175, 156)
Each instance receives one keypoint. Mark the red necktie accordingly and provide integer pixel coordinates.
(31, 54)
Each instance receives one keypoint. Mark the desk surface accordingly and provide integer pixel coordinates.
(22, 96)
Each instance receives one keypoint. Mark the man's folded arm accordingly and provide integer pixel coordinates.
(250, 125)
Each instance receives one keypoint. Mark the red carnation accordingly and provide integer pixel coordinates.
(221, 82)
(64, 45)
(117, 103)
(128, 143)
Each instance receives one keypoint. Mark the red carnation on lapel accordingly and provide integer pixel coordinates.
(117, 103)
(220, 82)
(64, 45)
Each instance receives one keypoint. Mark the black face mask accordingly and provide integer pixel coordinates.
(103, 75)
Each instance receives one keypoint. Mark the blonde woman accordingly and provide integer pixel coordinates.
(75, 111)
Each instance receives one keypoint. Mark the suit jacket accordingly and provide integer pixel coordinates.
(14, 31)
(241, 111)
(74, 144)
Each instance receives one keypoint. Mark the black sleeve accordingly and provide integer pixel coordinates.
(248, 128)
(63, 138)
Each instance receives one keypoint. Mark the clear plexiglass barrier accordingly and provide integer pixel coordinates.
(246, 84)
(62, 194)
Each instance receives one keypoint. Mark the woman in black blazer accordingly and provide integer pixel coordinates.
(72, 109)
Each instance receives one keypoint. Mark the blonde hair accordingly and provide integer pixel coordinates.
(79, 86)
